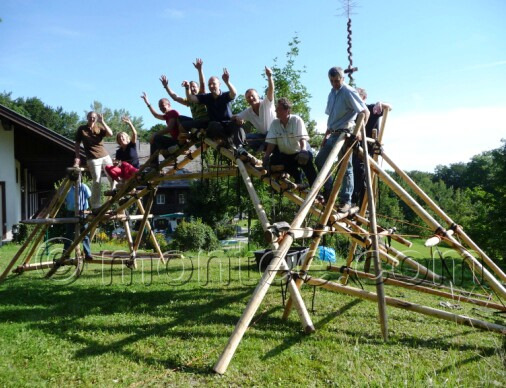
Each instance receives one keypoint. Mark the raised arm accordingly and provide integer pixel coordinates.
(189, 97)
(172, 94)
(77, 148)
(202, 81)
(226, 79)
(133, 138)
(270, 82)
(155, 114)
(101, 120)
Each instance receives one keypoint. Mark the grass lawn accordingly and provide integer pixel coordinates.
(167, 325)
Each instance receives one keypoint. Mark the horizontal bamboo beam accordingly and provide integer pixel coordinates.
(397, 303)
(52, 221)
(415, 287)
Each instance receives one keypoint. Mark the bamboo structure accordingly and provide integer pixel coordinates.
(361, 230)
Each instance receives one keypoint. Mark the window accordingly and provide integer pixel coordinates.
(182, 199)
(160, 199)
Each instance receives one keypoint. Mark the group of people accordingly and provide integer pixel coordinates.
(280, 135)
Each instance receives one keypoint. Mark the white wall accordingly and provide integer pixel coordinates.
(8, 174)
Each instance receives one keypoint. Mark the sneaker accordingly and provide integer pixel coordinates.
(344, 208)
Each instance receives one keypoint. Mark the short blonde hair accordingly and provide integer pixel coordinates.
(123, 133)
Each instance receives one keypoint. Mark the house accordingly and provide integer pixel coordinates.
(172, 195)
(33, 159)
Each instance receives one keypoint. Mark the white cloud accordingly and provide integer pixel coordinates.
(421, 141)
(171, 13)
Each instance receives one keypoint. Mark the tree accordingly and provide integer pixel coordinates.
(113, 119)
(288, 83)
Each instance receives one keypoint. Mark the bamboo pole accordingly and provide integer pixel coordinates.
(431, 222)
(397, 303)
(144, 220)
(363, 206)
(404, 259)
(325, 216)
(151, 234)
(426, 290)
(380, 291)
(198, 175)
(128, 187)
(493, 266)
(277, 262)
(52, 221)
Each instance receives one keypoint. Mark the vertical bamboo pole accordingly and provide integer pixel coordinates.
(363, 206)
(380, 291)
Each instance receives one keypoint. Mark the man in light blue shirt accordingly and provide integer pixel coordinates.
(84, 196)
(343, 106)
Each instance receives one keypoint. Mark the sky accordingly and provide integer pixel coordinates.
(440, 64)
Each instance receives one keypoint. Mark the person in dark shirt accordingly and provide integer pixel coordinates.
(219, 109)
(126, 162)
(375, 113)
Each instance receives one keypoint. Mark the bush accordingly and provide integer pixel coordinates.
(160, 239)
(224, 231)
(193, 236)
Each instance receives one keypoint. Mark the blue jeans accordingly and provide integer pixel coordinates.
(69, 234)
(347, 186)
(255, 141)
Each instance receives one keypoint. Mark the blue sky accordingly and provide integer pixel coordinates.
(441, 64)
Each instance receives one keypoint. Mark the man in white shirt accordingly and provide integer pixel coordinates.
(288, 133)
(260, 113)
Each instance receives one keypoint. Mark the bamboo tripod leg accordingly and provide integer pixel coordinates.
(151, 233)
(430, 221)
(493, 266)
(38, 233)
(402, 304)
(143, 221)
(380, 291)
(267, 278)
(324, 218)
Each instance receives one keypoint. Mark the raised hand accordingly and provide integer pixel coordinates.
(198, 64)
(164, 81)
(225, 76)
(268, 72)
(144, 96)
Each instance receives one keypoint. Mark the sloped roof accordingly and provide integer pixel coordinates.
(45, 153)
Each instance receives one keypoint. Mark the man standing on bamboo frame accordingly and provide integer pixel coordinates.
(343, 106)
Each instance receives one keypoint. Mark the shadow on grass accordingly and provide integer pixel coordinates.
(297, 338)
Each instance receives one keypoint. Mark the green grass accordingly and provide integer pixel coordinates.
(167, 328)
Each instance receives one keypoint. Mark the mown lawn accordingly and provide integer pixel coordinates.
(167, 325)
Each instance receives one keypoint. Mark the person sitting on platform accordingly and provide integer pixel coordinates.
(200, 118)
(126, 163)
(219, 109)
(288, 133)
(84, 195)
(165, 144)
(260, 113)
